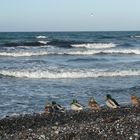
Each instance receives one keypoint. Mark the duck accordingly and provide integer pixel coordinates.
(57, 107)
(76, 106)
(135, 101)
(110, 102)
(93, 105)
(48, 109)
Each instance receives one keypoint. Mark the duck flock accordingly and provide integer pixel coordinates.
(92, 105)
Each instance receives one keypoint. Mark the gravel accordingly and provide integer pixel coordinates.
(106, 124)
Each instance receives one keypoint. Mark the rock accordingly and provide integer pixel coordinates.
(122, 123)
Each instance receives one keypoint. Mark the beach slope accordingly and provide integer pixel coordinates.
(110, 124)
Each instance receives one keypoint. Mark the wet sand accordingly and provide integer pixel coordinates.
(107, 124)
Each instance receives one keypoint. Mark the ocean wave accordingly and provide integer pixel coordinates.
(126, 44)
(16, 44)
(98, 52)
(72, 74)
(60, 52)
(94, 45)
(41, 37)
(86, 59)
(43, 42)
(136, 36)
(22, 54)
(56, 43)
(61, 43)
(122, 51)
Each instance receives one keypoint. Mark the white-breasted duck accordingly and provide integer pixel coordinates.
(75, 105)
(57, 107)
(110, 102)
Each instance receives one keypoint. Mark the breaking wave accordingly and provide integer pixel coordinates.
(22, 54)
(40, 36)
(99, 52)
(94, 45)
(58, 43)
(16, 44)
(62, 74)
(136, 36)
(43, 42)
(85, 52)
(61, 43)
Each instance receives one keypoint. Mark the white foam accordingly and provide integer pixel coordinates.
(62, 74)
(94, 45)
(43, 42)
(136, 36)
(40, 36)
(22, 54)
(123, 51)
(67, 52)
(110, 51)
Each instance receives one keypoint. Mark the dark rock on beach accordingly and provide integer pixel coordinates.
(107, 124)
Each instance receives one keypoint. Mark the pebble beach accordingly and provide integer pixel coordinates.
(107, 124)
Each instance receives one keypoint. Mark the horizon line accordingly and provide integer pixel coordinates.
(77, 31)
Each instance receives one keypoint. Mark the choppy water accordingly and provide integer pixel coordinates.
(39, 67)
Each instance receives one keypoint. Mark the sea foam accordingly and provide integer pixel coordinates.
(22, 54)
(43, 42)
(136, 36)
(40, 36)
(110, 51)
(71, 52)
(48, 74)
(94, 45)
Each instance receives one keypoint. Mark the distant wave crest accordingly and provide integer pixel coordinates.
(43, 42)
(34, 43)
(94, 45)
(136, 36)
(41, 36)
(22, 54)
(110, 51)
(62, 74)
(58, 43)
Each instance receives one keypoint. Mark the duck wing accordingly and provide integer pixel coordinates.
(115, 101)
(79, 105)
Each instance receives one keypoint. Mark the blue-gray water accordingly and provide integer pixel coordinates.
(39, 67)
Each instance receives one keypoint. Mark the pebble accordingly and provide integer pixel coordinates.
(106, 124)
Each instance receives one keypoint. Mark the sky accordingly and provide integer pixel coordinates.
(69, 15)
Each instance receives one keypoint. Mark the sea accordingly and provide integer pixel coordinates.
(39, 67)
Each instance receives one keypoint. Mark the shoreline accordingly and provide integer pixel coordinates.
(122, 123)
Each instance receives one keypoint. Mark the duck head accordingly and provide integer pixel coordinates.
(53, 103)
(74, 101)
(108, 96)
